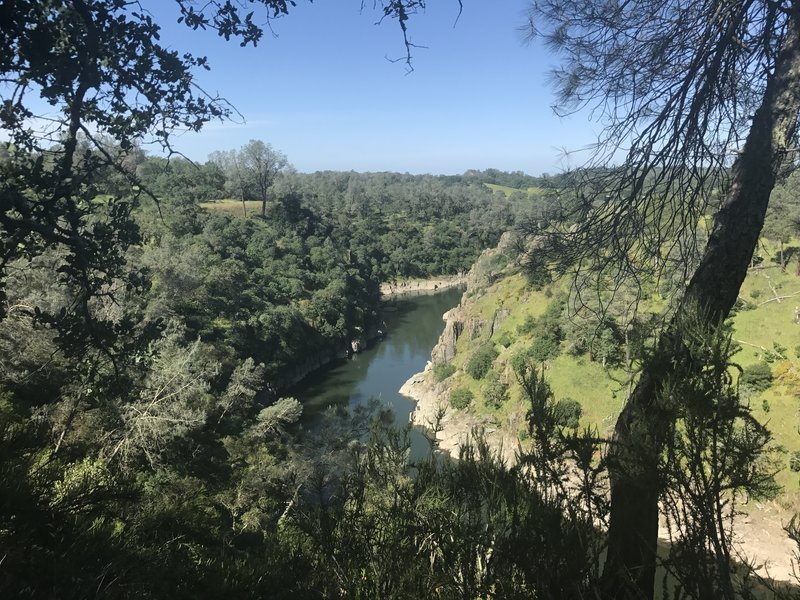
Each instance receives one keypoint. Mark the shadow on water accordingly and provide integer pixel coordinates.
(414, 324)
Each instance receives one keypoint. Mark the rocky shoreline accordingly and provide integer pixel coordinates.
(455, 426)
(414, 286)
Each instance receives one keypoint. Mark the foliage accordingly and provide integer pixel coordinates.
(480, 362)
(757, 377)
(568, 413)
(406, 225)
(665, 82)
(546, 331)
(471, 527)
(794, 461)
(505, 339)
(443, 370)
(460, 397)
(495, 391)
(718, 455)
(252, 171)
(143, 341)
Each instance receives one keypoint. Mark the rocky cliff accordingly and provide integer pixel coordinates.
(432, 410)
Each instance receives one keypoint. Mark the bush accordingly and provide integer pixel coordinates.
(442, 371)
(460, 398)
(544, 348)
(742, 304)
(495, 393)
(568, 413)
(481, 361)
(757, 377)
(505, 339)
(794, 461)
(527, 325)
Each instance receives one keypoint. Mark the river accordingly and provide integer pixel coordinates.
(378, 372)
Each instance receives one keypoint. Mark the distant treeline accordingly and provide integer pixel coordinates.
(399, 225)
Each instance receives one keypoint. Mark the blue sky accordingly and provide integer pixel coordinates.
(324, 92)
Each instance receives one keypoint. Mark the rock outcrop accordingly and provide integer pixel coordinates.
(500, 315)
(445, 349)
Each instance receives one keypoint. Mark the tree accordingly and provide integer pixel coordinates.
(262, 164)
(85, 83)
(682, 86)
(235, 178)
(251, 171)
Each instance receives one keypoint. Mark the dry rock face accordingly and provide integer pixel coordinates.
(475, 327)
(445, 349)
(499, 316)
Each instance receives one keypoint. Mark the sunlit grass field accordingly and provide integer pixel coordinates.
(233, 207)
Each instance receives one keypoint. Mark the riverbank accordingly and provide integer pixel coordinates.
(413, 286)
(759, 532)
(455, 426)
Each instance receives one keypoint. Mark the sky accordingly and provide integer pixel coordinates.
(325, 92)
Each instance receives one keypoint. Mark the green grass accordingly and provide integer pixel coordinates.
(588, 383)
(233, 207)
(769, 321)
(602, 394)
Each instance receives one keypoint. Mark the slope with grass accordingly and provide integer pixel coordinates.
(503, 311)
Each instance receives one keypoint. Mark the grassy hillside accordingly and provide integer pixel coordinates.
(764, 327)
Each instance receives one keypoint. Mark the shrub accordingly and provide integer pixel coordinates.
(787, 374)
(777, 353)
(443, 370)
(567, 413)
(495, 393)
(527, 325)
(481, 361)
(505, 339)
(742, 304)
(757, 377)
(460, 398)
(544, 348)
(794, 461)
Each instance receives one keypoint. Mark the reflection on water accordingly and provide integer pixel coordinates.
(413, 330)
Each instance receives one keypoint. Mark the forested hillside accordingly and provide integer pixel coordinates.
(143, 438)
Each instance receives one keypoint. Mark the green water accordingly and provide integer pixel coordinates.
(378, 372)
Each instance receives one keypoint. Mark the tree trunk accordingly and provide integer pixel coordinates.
(644, 422)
